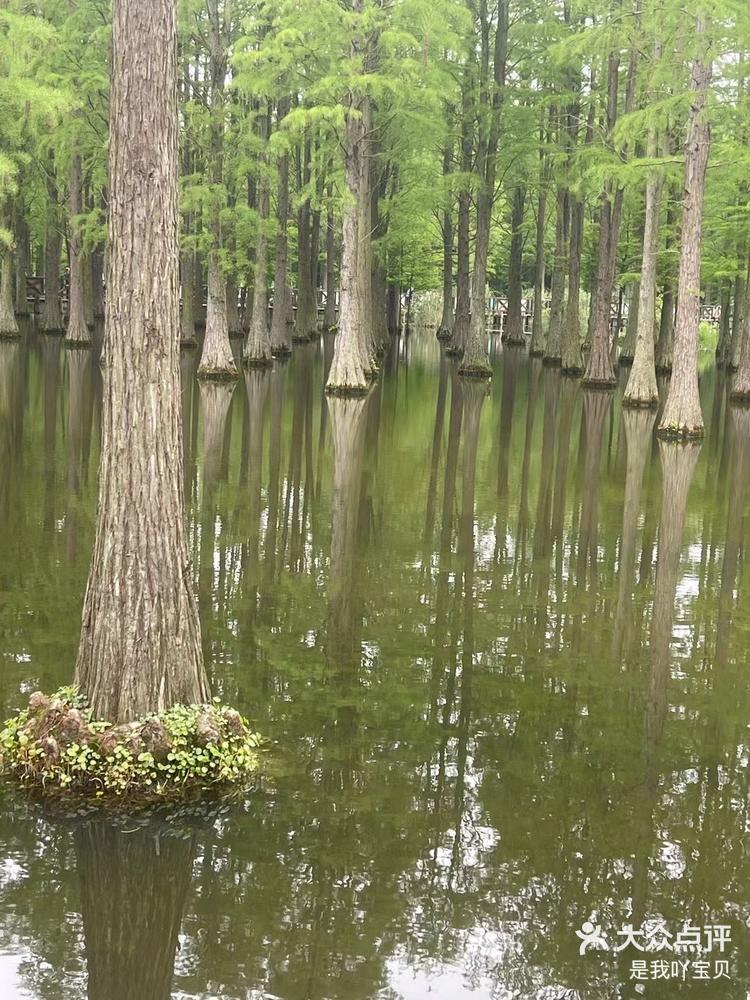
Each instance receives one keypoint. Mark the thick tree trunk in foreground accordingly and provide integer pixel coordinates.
(140, 648)
(78, 332)
(514, 323)
(682, 416)
(641, 389)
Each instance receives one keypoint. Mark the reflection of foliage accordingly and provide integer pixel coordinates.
(456, 796)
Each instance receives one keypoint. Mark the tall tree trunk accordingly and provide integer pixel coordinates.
(8, 323)
(572, 359)
(682, 416)
(445, 329)
(553, 354)
(140, 648)
(22, 264)
(537, 323)
(217, 360)
(738, 315)
(280, 341)
(350, 365)
(627, 351)
(492, 91)
(257, 352)
(78, 332)
(462, 316)
(329, 319)
(641, 389)
(187, 310)
(51, 321)
(514, 323)
(725, 324)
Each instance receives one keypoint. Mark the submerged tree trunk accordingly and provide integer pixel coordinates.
(641, 389)
(140, 648)
(78, 332)
(514, 323)
(682, 416)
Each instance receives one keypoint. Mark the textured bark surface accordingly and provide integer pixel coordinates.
(78, 332)
(553, 353)
(740, 384)
(51, 320)
(329, 317)
(187, 307)
(140, 648)
(641, 389)
(740, 308)
(22, 264)
(666, 333)
(725, 324)
(348, 374)
(460, 337)
(513, 333)
(682, 416)
(217, 360)
(627, 351)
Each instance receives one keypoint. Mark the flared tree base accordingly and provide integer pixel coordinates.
(453, 352)
(281, 352)
(551, 362)
(515, 341)
(640, 402)
(534, 353)
(77, 345)
(740, 396)
(572, 371)
(10, 334)
(347, 390)
(444, 334)
(605, 384)
(257, 362)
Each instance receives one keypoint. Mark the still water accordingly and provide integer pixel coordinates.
(498, 641)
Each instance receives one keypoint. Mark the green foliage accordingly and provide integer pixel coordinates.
(55, 747)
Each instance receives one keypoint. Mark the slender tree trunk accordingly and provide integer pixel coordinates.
(725, 324)
(740, 306)
(280, 341)
(642, 389)
(329, 319)
(22, 264)
(682, 416)
(234, 323)
(445, 329)
(514, 323)
(627, 352)
(8, 323)
(140, 648)
(257, 352)
(537, 326)
(97, 281)
(51, 321)
(492, 89)
(217, 360)
(187, 311)
(462, 316)
(348, 374)
(572, 359)
(553, 355)
(78, 332)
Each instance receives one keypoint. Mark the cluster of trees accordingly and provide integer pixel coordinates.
(357, 148)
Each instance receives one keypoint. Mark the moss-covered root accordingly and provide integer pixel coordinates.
(55, 748)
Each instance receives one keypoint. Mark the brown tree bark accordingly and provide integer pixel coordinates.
(280, 340)
(491, 94)
(217, 360)
(51, 319)
(22, 264)
(445, 327)
(738, 313)
(572, 359)
(140, 648)
(537, 324)
(8, 324)
(257, 352)
(513, 333)
(78, 332)
(682, 416)
(725, 324)
(457, 344)
(329, 318)
(553, 352)
(641, 389)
